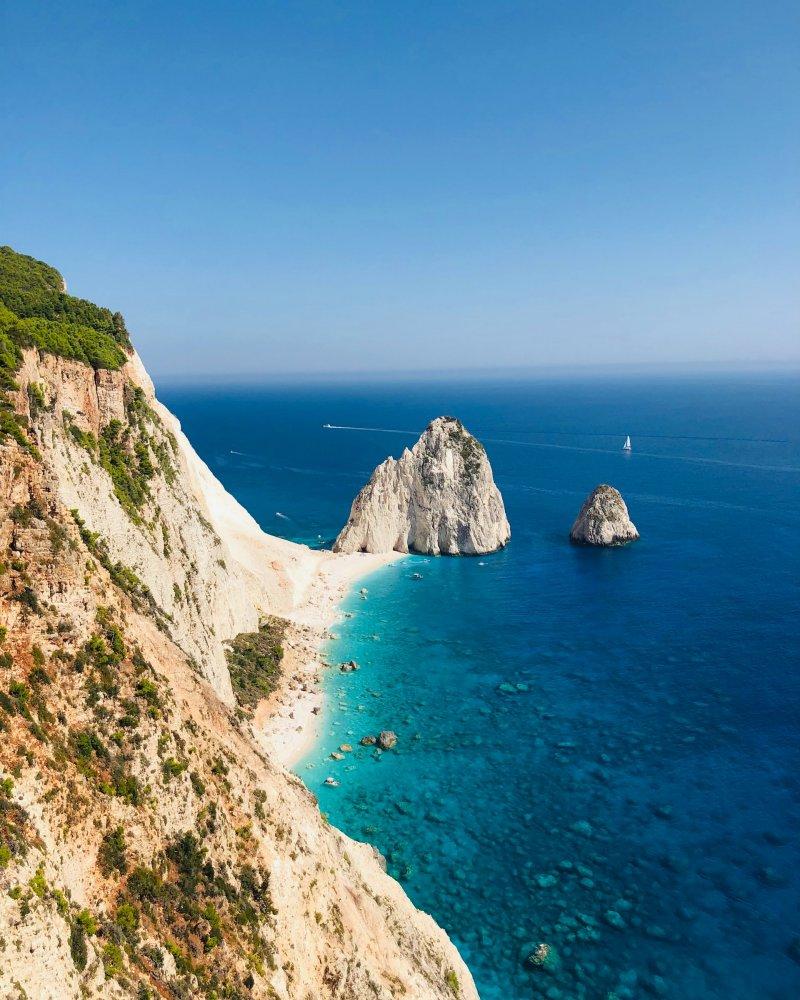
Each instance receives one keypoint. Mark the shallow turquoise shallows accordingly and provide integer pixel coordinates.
(597, 750)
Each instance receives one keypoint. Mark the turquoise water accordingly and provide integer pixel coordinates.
(597, 749)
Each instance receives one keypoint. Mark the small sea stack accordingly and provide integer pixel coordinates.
(603, 520)
(439, 497)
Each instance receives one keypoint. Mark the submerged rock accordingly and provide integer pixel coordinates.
(603, 520)
(614, 919)
(439, 498)
(545, 957)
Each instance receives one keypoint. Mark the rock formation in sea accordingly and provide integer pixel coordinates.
(603, 520)
(148, 844)
(439, 497)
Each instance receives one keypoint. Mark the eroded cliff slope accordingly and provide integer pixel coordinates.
(147, 846)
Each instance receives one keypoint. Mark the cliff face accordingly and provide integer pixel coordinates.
(439, 498)
(209, 568)
(603, 520)
(147, 845)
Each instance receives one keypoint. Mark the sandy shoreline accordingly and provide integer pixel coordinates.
(305, 586)
(288, 723)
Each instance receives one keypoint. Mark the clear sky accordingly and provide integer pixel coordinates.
(265, 187)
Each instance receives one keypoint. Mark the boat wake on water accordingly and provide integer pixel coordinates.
(606, 451)
(375, 430)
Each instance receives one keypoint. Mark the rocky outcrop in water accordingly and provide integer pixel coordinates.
(603, 520)
(438, 498)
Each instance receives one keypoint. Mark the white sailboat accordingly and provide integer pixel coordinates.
(627, 446)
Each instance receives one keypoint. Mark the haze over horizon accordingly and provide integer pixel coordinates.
(356, 187)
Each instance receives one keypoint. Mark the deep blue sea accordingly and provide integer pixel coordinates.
(599, 750)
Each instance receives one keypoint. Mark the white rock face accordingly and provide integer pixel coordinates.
(603, 520)
(211, 574)
(438, 498)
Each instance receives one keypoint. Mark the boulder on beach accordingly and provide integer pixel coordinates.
(603, 520)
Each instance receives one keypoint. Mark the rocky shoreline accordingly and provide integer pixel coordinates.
(287, 724)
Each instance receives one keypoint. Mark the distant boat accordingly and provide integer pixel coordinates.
(627, 446)
(327, 426)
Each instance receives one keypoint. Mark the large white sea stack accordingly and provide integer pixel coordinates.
(439, 498)
(603, 519)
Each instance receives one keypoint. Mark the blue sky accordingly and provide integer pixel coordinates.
(331, 186)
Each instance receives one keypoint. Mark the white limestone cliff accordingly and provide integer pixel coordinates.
(439, 497)
(603, 520)
(195, 569)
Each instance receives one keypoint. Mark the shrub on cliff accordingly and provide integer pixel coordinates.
(68, 340)
(29, 287)
(254, 662)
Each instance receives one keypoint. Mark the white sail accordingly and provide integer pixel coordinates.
(627, 446)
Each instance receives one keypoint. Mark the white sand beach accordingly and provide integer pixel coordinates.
(288, 723)
(305, 586)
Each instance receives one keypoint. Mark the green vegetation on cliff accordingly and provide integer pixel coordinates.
(254, 662)
(35, 311)
(31, 288)
(131, 451)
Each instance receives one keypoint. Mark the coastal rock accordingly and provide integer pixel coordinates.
(368, 741)
(387, 739)
(545, 957)
(603, 520)
(438, 498)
